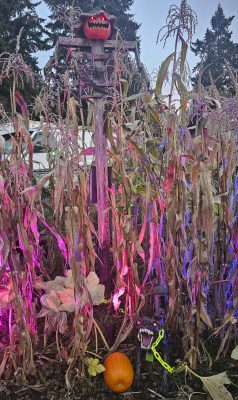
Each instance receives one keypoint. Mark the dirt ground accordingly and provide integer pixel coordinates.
(50, 385)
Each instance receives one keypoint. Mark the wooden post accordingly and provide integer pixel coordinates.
(100, 141)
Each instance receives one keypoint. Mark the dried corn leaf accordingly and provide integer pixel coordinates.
(204, 316)
(215, 386)
(73, 114)
(162, 73)
(4, 248)
(60, 177)
(223, 343)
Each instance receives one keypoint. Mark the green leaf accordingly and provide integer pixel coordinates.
(100, 368)
(94, 367)
(183, 55)
(162, 73)
(92, 371)
(93, 362)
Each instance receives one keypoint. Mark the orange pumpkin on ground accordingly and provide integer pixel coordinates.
(119, 374)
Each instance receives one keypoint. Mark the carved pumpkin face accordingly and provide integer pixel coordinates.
(97, 27)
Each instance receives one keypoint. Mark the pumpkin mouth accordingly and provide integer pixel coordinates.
(98, 24)
(145, 337)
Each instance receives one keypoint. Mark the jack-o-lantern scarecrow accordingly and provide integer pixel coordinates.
(96, 25)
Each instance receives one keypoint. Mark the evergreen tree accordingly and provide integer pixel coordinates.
(17, 15)
(120, 8)
(215, 51)
(20, 25)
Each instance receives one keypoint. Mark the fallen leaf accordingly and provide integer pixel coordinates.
(234, 354)
(96, 290)
(67, 300)
(57, 284)
(215, 386)
(51, 301)
(69, 283)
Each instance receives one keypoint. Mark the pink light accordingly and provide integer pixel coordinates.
(116, 296)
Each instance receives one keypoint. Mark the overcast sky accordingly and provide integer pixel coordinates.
(151, 14)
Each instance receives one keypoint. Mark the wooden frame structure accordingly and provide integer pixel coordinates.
(96, 52)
